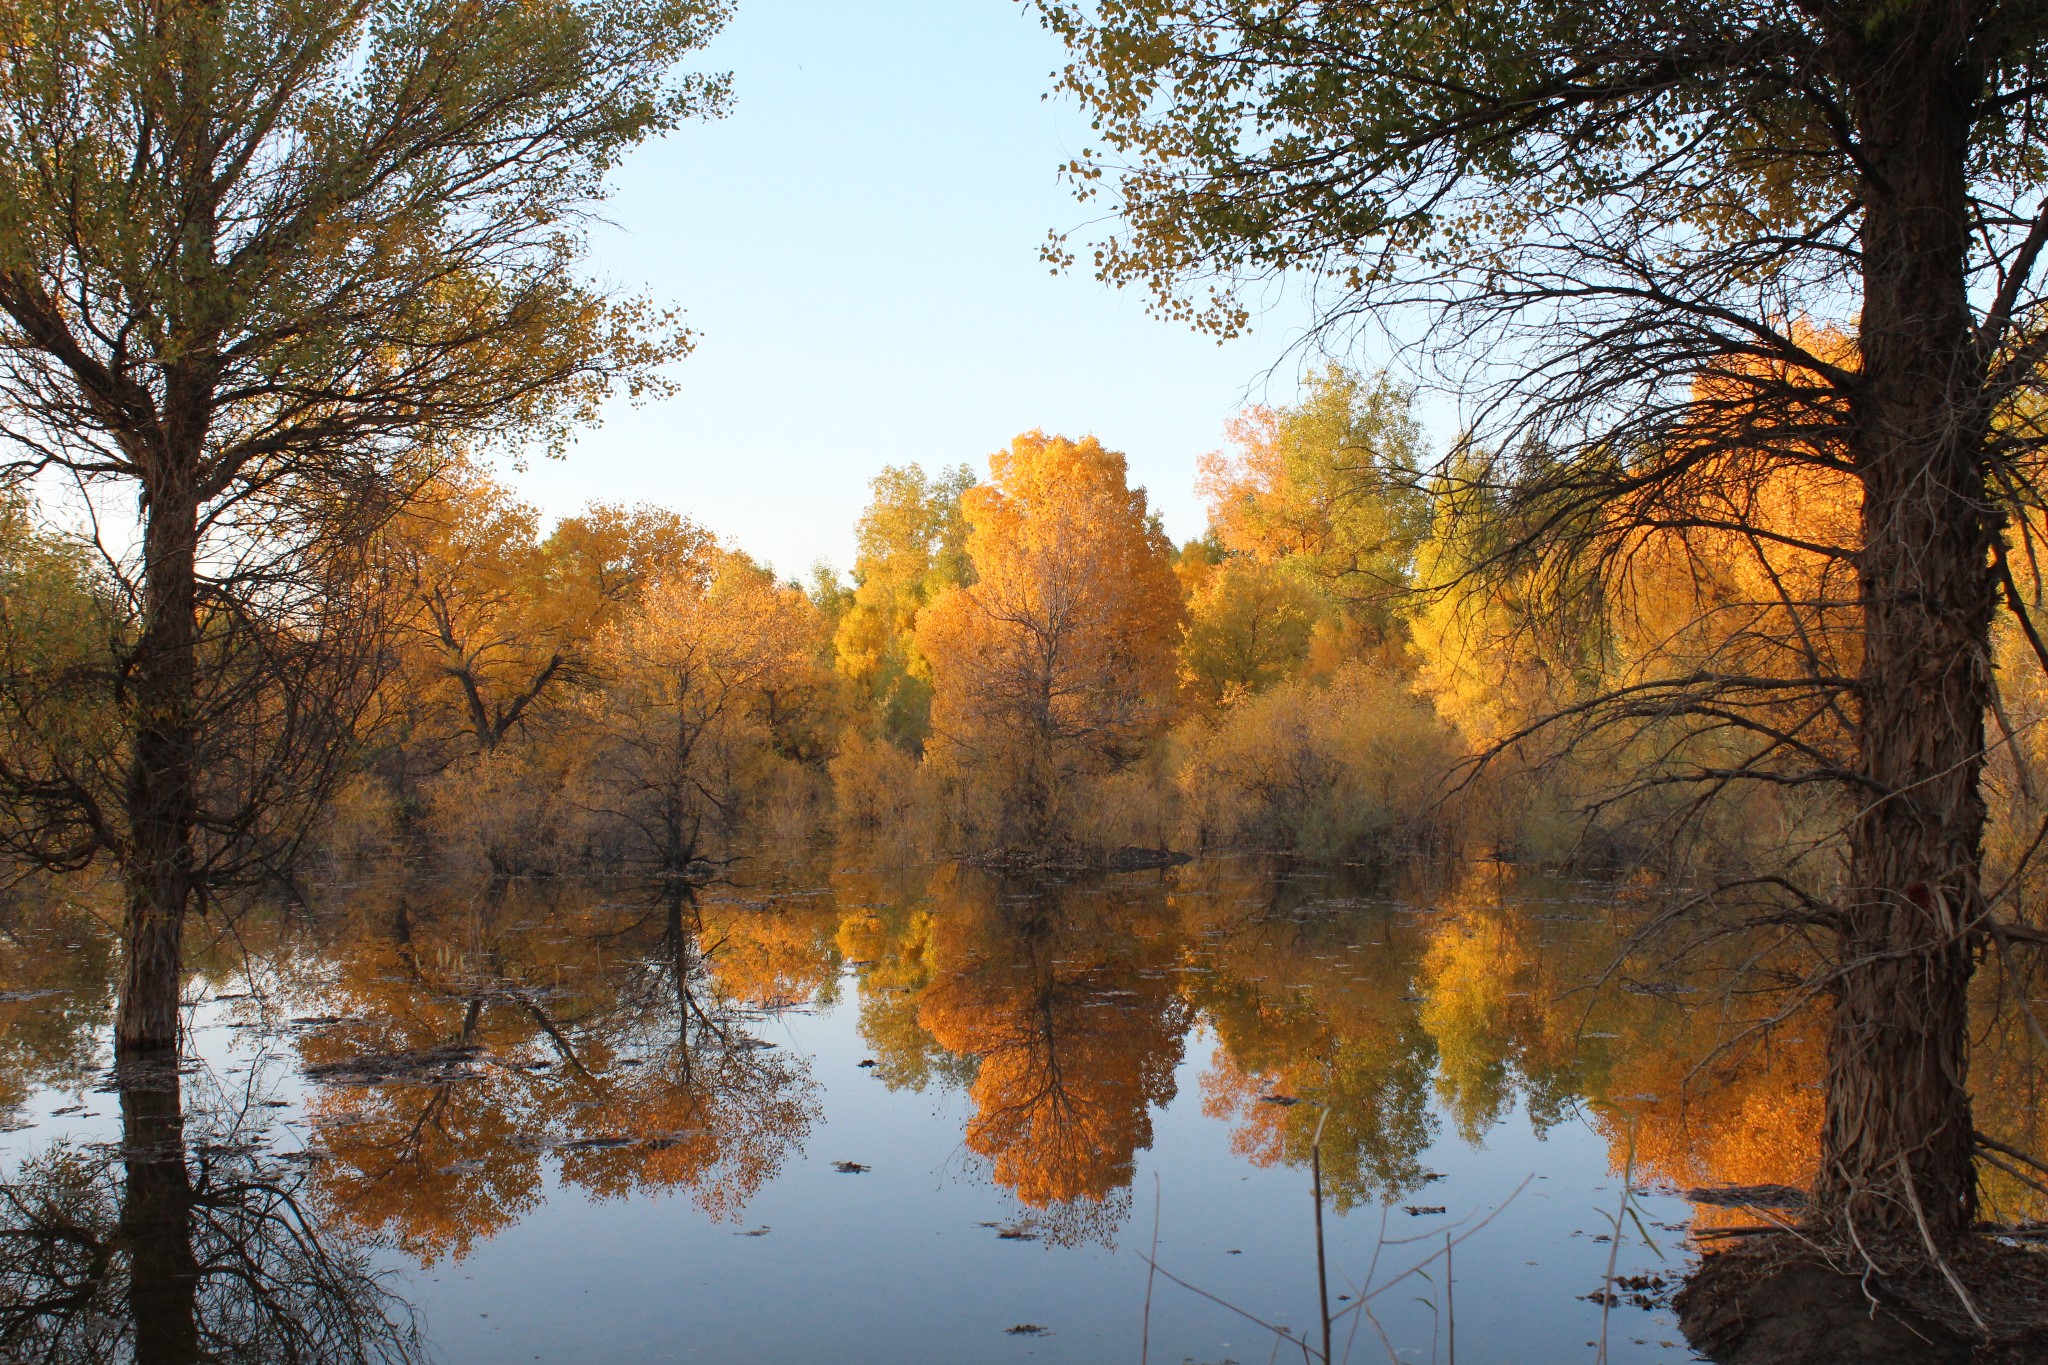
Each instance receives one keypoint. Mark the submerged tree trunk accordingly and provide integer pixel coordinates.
(162, 792)
(1896, 1148)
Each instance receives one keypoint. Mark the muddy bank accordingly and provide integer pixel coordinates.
(1772, 1301)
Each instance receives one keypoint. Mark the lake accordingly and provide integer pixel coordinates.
(840, 1109)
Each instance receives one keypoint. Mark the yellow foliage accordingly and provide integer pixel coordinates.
(911, 546)
(1249, 627)
(1327, 488)
(682, 735)
(1332, 770)
(874, 784)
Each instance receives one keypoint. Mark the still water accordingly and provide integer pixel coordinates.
(877, 1114)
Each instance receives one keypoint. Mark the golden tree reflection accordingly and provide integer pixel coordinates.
(477, 1044)
(1065, 999)
(478, 1040)
(1308, 993)
(1529, 991)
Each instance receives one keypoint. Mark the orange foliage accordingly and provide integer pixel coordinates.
(512, 1044)
(1073, 1022)
(1744, 560)
(1057, 662)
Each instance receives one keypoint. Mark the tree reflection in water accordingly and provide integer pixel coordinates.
(1066, 1000)
(479, 1035)
(175, 1248)
(475, 1044)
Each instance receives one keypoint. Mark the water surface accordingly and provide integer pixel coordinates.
(866, 1114)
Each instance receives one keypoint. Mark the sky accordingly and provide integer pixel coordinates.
(856, 246)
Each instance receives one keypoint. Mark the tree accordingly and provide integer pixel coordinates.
(257, 267)
(496, 622)
(1074, 1030)
(1248, 628)
(1598, 205)
(634, 1038)
(683, 731)
(1057, 662)
(176, 1245)
(1330, 490)
(912, 546)
(478, 614)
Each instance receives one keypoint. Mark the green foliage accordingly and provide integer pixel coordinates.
(62, 746)
(1376, 146)
(1330, 489)
(911, 546)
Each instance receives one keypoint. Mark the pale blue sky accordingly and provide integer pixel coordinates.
(857, 245)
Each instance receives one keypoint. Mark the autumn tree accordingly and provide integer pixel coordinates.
(623, 1053)
(483, 642)
(1074, 1028)
(1249, 626)
(1056, 663)
(256, 265)
(911, 547)
(498, 622)
(700, 686)
(1595, 205)
(1327, 490)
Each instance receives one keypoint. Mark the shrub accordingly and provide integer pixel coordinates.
(1344, 769)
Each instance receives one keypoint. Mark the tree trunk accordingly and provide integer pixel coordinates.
(162, 793)
(1897, 1166)
(156, 1223)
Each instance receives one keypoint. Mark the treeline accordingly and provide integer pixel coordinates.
(1023, 668)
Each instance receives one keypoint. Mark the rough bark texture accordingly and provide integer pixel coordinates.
(1896, 1162)
(162, 778)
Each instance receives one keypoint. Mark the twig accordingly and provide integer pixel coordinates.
(2015, 1153)
(1152, 1264)
(1221, 1303)
(2032, 1182)
(1315, 1156)
(1451, 1299)
(1366, 1296)
(1628, 1180)
(1379, 1245)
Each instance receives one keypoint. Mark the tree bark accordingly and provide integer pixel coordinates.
(162, 793)
(1897, 1165)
